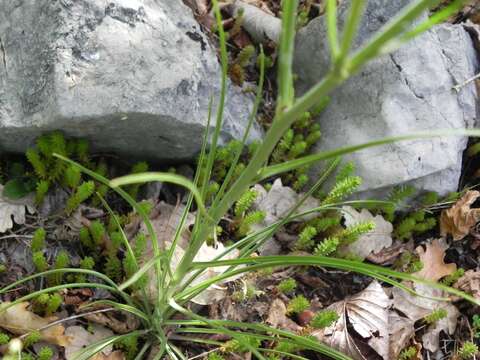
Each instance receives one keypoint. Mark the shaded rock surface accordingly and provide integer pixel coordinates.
(132, 76)
(408, 91)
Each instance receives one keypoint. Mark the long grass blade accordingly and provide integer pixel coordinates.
(354, 17)
(285, 58)
(278, 169)
(163, 177)
(332, 30)
(214, 325)
(151, 232)
(253, 114)
(95, 348)
(119, 306)
(342, 264)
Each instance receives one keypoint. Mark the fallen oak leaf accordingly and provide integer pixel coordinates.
(165, 222)
(13, 211)
(460, 218)
(387, 256)
(279, 200)
(368, 314)
(372, 242)
(277, 317)
(469, 283)
(116, 355)
(18, 320)
(434, 268)
(82, 338)
(417, 307)
(127, 324)
(401, 331)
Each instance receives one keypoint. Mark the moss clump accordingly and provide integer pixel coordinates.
(324, 319)
(287, 286)
(297, 305)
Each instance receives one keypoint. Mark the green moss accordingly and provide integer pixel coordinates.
(87, 263)
(39, 261)
(297, 305)
(245, 202)
(435, 316)
(453, 278)
(31, 339)
(129, 346)
(38, 240)
(408, 353)
(97, 232)
(324, 319)
(287, 286)
(468, 350)
(252, 218)
(45, 353)
(305, 239)
(113, 267)
(85, 238)
(62, 261)
(342, 189)
(327, 247)
(53, 304)
(215, 356)
(4, 339)
(83, 193)
(41, 190)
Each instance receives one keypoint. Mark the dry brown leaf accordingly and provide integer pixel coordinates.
(417, 307)
(165, 223)
(14, 210)
(401, 331)
(372, 242)
(109, 319)
(388, 255)
(368, 314)
(434, 268)
(460, 218)
(19, 320)
(470, 283)
(279, 200)
(116, 355)
(277, 317)
(82, 338)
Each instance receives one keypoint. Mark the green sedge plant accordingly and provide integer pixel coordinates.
(175, 287)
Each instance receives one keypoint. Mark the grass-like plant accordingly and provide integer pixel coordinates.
(175, 286)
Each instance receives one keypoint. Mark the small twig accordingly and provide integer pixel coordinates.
(73, 317)
(16, 236)
(458, 87)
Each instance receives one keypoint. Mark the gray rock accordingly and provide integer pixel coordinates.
(133, 76)
(408, 91)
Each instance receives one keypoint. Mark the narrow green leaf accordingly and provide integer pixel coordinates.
(275, 170)
(163, 177)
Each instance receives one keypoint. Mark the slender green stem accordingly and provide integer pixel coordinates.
(394, 28)
(332, 30)
(253, 114)
(351, 27)
(285, 77)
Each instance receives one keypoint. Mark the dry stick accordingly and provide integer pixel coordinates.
(458, 87)
(16, 236)
(73, 317)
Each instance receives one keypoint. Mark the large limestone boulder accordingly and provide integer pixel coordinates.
(408, 91)
(133, 76)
